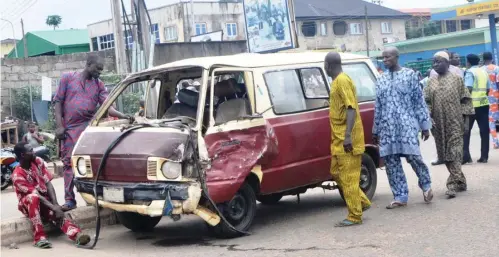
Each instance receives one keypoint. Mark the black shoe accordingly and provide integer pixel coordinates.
(451, 193)
(482, 160)
(467, 161)
(437, 162)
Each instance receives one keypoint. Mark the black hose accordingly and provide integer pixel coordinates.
(99, 170)
(205, 193)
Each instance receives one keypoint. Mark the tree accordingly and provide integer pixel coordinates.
(430, 28)
(54, 21)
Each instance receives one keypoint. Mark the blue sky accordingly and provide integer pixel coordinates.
(79, 13)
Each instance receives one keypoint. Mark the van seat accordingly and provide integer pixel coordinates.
(187, 105)
(231, 110)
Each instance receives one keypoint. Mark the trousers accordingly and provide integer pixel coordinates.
(37, 212)
(482, 119)
(396, 175)
(345, 170)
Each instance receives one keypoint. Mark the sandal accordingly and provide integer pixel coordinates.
(396, 204)
(43, 244)
(428, 195)
(451, 193)
(347, 223)
(365, 208)
(68, 206)
(82, 239)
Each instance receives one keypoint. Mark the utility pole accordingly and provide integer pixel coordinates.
(24, 40)
(193, 23)
(145, 29)
(367, 30)
(119, 42)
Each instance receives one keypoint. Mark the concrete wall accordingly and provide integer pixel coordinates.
(165, 53)
(353, 43)
(214, 14)
(23, 72)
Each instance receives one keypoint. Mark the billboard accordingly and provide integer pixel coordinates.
(268, 27)
(212, 36)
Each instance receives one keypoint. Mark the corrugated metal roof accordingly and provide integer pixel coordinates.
(63, 37)
(314, 9)
(438, 37)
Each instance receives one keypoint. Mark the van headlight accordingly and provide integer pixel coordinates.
(81, 166)
(171, 170)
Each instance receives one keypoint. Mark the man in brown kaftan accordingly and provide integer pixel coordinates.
(450, 105)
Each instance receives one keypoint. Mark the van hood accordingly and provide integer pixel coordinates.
(128, 160)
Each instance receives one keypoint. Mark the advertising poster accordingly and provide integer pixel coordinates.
(267, 25)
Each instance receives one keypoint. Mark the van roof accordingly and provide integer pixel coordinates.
(254, 60)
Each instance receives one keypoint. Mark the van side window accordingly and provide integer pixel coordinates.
(313, 83)
(364, 80)
(291, 91)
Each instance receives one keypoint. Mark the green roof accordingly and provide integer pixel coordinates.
(438, 37)
(53, 42)
(64, 37)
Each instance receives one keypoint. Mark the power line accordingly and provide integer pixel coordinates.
(22, 12)
(13, 12)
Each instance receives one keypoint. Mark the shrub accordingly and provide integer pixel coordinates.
(21, 107)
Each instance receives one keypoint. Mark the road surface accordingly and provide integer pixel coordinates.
(465, 226)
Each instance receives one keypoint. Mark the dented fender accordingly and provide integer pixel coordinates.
(233, 154)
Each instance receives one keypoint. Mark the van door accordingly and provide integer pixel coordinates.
(237, 137)
(298, 98)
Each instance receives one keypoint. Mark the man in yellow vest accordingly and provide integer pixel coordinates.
(477, 80)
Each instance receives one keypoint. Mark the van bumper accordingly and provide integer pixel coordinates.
(151, 199)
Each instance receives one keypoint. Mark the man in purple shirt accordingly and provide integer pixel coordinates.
(76, 101)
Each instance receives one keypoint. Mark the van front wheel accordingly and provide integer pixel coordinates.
(239, 211)
(368, 177)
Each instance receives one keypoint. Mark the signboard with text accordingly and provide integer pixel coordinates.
(268, 26)
(478, 8)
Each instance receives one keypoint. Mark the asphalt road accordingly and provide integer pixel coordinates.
(465, 226)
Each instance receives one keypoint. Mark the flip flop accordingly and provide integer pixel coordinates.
(451, 193)
(347, 223)
(68, 206)
(43, 244)
(82, 239)
(366, 208)
(428, 195)
(396, 204)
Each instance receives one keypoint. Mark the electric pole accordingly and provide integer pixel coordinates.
(24, 40)
(367, 30)
(119, 44)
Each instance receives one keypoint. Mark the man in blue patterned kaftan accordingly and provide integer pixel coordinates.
(400, 114)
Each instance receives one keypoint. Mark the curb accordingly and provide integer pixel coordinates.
(19, 230)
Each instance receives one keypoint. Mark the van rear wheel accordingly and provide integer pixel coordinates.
(239, 211)
(137, 222)
(368, 177)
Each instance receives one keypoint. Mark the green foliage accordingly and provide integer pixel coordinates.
(430, 29)
(53, 21)
(21, 101)
(111, 78)
(130, 102)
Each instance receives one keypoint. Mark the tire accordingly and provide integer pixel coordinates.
(269, 199)
(137, 222)
(369, 177)
(242, 219)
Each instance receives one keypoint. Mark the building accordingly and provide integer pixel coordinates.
(7, 45)
(464, 42)
(342, 25)
(420, 22)
(173, 23)
(53, 42)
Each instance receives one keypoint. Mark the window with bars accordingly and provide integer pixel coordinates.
(106, 41)
(171, 33)
(155, 31)
(200, 28)
(231, 29)
(356, 29)
(386, 27)
(128, 39)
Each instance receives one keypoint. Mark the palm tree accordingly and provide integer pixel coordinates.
(54, 21)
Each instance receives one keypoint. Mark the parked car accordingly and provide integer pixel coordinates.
(257, 130)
